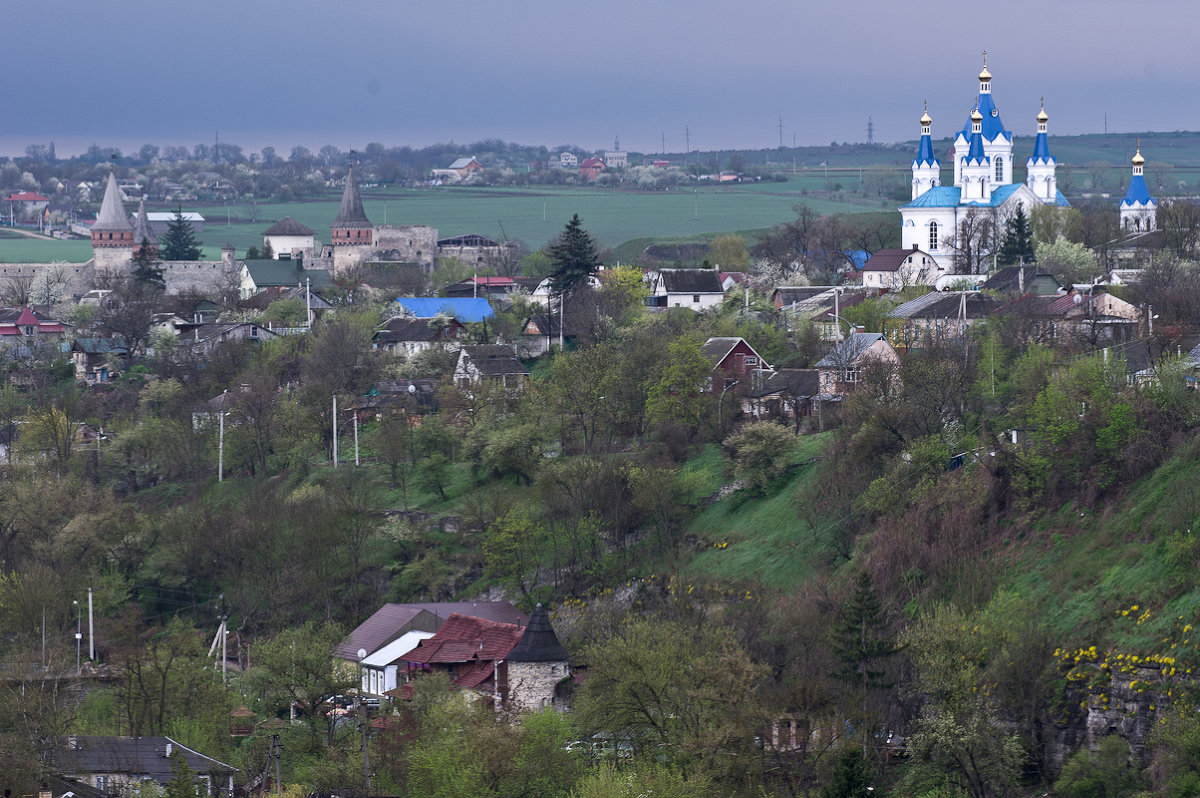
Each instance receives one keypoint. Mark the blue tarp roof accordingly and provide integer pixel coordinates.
(463, 309)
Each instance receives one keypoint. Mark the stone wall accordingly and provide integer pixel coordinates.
(532, 685)
(412, 243)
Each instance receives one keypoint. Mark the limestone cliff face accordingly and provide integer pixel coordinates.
(1122, 695)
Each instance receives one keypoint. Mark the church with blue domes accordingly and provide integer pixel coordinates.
(983, 179)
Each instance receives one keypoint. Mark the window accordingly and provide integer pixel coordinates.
(695, 298)
(999, 169)
(751, 361)
(933, 235)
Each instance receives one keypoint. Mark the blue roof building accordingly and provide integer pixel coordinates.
(937, 216)
(466, 309)
(1139, 211)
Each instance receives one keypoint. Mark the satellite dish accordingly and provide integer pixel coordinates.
(1078, 299)
(362, 653)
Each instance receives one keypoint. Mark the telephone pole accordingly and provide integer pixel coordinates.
(781, 132)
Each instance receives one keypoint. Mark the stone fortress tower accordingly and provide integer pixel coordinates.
(536, 667)
(112, 234)
(355, 240)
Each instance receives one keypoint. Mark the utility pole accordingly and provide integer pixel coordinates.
(335, 451)
(687, 137)
(664, 143)
(220, 439)
(356, 437)
(781, 132)
(78, 635)
(91, 630)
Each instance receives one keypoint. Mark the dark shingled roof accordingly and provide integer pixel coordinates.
(143, 756)
(889, 260)
(538, 643)
(351, 213)
(1009, 279)
(494, 360)
(849, 350)
(409, 329)
(691, 281)
(287, 226)
(791, 382)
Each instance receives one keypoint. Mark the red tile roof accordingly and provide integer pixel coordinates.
(464, 638)
(27, 196)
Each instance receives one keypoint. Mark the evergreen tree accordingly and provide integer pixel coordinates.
(146, 267)
(851, 777)
(183, 778)
(862, 643)
(1018, 239)
(574, 256)
(252, 253)
(179, 242)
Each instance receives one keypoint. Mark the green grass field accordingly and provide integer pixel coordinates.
(531, 215)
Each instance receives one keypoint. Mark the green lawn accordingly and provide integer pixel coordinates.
(532, 215)
(763, 539)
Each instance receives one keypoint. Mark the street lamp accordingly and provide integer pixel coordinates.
(78, 634)
(720, 404)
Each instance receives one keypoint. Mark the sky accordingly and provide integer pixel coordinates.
(712, 74)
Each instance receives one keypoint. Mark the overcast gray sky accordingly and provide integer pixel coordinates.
(128, 72)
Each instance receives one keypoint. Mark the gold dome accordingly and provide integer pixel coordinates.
(985, 76)
(1138, 160)
(976, 116)
(1042, 115)
(925, 120)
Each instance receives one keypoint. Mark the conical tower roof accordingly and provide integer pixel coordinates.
(141, 230)
(538, 643)
(351, 214)
(112, 213)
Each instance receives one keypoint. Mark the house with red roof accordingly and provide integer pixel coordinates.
(25, 206)
(467, 649)
(25, 322)
(590, 168)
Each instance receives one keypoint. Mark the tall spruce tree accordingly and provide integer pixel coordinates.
(862, 643)
(179, 242)
(574, 256)
(1018, 239)
(146, 267)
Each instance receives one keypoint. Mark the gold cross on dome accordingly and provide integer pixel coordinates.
(985, 59)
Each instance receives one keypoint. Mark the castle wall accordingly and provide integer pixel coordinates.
(412, 242)
(208, 277)
(531, 685)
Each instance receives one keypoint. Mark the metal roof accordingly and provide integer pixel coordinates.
(351, 213)
(112, 213)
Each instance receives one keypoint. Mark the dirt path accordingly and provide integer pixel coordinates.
(29, 233)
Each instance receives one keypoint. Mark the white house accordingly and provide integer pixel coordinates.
(698, 289)
(287, 238)
(896, 268)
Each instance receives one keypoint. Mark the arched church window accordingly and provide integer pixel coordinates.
(933, 235)
(999, 169)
